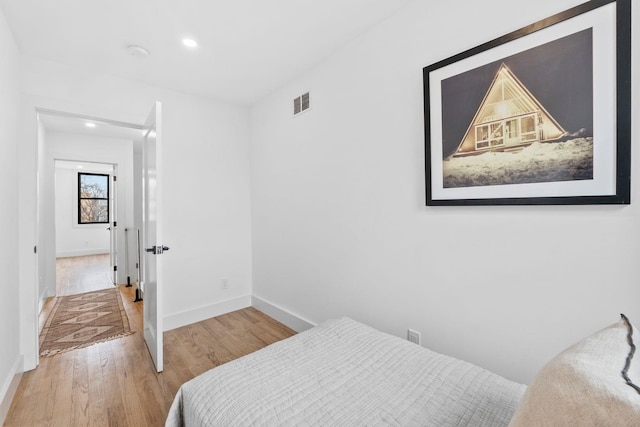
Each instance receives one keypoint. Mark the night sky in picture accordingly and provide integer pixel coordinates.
(559, 74)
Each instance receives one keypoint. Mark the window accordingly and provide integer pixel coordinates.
(93, 198)
(482, 136)
(512, 129)
(496, 134)
(528, 126)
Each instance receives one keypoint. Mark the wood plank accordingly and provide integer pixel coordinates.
(61, 389)
(80, 395)
(97, 410)
(115, 384)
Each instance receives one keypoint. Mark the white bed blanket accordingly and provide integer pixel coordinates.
(344, 373)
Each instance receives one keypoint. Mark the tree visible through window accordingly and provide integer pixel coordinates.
(93, 198)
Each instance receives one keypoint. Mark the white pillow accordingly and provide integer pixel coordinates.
(595, 382)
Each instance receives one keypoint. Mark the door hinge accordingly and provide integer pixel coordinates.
(115, 178)
(115, 268)
(115, 223)
(35, 249)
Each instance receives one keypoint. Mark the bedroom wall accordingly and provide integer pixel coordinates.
(206, 191)
(10, 357)
(340, 225)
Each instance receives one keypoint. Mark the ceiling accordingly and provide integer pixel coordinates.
(78, 125)
(247, 48)
(93, 167)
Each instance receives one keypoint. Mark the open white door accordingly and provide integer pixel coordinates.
(152, 236)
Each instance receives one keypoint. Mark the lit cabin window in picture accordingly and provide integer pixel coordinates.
(301, 104)
(93, 198)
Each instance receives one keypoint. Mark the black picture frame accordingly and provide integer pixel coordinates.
(510, 115)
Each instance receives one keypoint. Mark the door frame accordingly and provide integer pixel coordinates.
(30, 265)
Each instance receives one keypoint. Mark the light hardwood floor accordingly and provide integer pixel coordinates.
(115, 384)
(75, 275)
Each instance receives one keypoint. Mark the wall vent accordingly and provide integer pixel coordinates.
(301, 104)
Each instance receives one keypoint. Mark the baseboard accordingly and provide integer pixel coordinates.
(9, 388)
(84, 252)
(293, 321)
(187, 317)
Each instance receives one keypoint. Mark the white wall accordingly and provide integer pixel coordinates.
(45, 223)
(10, 355)
(340, 225)
(73, 239)
(206, 192)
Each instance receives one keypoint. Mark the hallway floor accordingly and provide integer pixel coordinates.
(75, 275)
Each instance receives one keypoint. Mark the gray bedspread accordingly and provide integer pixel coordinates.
(344, 373)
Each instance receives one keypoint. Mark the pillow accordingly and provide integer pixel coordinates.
(595, 382)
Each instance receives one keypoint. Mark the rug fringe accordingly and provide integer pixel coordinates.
(47, 353)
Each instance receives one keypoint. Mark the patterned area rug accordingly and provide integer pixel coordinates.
(81, 320)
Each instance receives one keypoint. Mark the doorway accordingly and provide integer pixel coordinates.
(137, 203)
(86, 257)
(85, 201)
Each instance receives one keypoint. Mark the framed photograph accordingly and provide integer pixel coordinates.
(540, 116)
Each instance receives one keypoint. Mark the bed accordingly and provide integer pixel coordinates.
(344, 373)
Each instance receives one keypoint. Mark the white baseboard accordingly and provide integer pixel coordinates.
(9, 388)
(293, 321)
(187, 317)
(82, 252)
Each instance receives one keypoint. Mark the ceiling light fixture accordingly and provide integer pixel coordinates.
(137, 51)
(90, 125)
(190, 43)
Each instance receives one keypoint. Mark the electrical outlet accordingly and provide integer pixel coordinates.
(224, 284)
(413, 336)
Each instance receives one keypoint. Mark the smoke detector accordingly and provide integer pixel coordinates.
(137, 51)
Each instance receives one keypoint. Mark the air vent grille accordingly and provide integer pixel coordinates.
(301, 104)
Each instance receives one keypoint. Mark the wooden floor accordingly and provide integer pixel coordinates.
(115, 384)
(75, 275)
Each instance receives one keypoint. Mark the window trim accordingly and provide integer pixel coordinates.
(80, 198)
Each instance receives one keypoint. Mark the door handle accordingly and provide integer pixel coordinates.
(157, 250)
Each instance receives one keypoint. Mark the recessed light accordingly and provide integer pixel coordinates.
(190, 43)
(90, 125)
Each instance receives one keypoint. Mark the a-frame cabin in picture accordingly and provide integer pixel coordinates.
(509, 118)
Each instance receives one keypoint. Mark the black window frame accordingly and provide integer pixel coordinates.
(80, 198)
